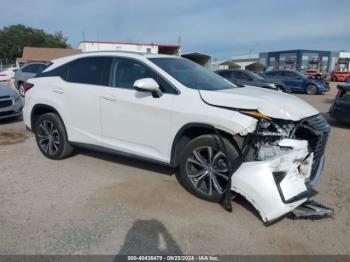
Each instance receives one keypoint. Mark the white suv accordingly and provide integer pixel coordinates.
(265, 145)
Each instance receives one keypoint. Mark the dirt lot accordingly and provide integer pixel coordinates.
(102, 204)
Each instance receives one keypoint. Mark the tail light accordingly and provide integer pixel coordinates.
(27, 86)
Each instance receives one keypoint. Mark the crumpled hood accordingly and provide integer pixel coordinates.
(6, 91)
(271, 103)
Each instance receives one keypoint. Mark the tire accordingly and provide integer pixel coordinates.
(21, 90)
(311, 89)
(51, 137)
(199, 177)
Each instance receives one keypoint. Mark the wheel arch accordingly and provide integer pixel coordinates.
(40, 109)
(188, 132)
(311, 84)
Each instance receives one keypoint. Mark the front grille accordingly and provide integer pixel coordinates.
(316, 130)
(5, 103)
(3, 97)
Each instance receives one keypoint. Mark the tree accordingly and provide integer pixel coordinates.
(13, 38)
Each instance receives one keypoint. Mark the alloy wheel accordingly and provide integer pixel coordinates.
(21, 90)
(207, 170)
(48, 137)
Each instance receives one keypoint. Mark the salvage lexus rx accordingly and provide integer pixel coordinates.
(265, 145)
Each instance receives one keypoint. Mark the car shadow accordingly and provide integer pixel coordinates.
(11, 120)
(240, 200)
(128, 161)
(149, 237)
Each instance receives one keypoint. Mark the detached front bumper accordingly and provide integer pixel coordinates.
(278, 185)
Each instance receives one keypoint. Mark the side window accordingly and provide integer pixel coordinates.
(41, 68)
(273, 73)
(225, 74)
(126, 71)
(33, 68)
(89, 70)
(235, 74)
(244, 76)
(289, 74)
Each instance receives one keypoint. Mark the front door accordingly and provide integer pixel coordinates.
(132, 121)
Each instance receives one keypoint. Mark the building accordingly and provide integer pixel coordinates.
(247, 61)
(342, 62)
(199, 58)
(299, 60)
(223, 64)
(43, 54)
(91, 46)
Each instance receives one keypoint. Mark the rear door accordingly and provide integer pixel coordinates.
(293, 80)
(132, 121)
(79, 94)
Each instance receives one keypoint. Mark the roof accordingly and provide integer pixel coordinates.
(59, 61)
(45, 54)
(243, 65)
(131, 43)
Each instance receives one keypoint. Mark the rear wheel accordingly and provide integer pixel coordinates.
(204, 167)
(311, 89)
(21, 90)
(51, 137)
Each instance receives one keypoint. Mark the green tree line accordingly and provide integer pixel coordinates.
(13, 38)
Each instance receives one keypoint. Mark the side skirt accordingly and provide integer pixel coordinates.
(120, 153)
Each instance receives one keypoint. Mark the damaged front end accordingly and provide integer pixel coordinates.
(284, 162)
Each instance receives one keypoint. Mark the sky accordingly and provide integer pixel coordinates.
(221, 28)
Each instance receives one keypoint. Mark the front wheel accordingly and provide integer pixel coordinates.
(204, 169)
(311, 90)
(51, 137)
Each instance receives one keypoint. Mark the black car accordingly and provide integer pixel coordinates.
(244, 77)
(341, 105)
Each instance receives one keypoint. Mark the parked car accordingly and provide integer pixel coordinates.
(340, 76)
(297, 81)
(11, 104)
(340, 109)
(27, 71)
(244, 77)
(7, 74)
(170, 110)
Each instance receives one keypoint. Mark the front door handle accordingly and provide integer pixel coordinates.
(109, 97)
(58, 90)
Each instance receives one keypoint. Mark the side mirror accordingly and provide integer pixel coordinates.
(148, 85)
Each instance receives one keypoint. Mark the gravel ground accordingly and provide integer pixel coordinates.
(96, 203)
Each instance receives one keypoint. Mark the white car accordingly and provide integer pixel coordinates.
(265, 145)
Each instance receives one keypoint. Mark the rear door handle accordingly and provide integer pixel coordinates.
(58, 90)
(109, 97)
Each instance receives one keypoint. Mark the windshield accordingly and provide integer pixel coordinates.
(191, 74)
(254, 75)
